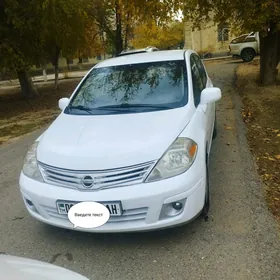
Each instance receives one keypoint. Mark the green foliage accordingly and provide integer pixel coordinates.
(64, 25)
(163, 37)
(21, 41)
(243, 15)
(119, 18)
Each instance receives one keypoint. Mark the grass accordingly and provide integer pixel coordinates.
(261, 113)
(19, 116)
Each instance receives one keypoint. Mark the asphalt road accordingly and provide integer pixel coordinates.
(240, 240)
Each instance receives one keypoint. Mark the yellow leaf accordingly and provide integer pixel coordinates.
(272, 159)
(277, 156)
(228, 128)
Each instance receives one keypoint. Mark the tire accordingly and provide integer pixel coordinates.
(248, 55)
(215, 132)
(206, 206)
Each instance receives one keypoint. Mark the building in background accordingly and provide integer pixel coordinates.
(212, 38)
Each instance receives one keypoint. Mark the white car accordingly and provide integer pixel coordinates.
(135, 136)
(246, 46)
(16, 268)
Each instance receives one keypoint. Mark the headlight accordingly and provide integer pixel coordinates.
(176, 160)
(30, 165)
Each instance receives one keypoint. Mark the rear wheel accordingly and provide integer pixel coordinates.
(248, 55)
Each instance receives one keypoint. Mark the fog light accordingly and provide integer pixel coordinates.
(177, 205)
(29, 202)
(30, 205)
(172, 209)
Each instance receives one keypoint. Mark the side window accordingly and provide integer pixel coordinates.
(202, 72)
(197, 81)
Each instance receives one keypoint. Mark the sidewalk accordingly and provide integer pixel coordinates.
(50, 77)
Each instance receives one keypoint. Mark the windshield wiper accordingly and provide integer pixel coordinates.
(80, 108)
(91, 110)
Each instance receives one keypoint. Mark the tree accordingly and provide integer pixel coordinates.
(162, 37)
(38, 31)
(64, 29)
(117, 18)
(247, 15)
(21, 42)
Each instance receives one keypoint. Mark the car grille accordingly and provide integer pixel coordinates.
(129, 215)
(78, 179)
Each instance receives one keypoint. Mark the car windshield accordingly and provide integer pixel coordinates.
(132, 88)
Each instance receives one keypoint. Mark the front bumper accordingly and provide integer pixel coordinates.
(142, 203)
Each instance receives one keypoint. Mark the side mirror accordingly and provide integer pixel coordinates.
(209, 95)
(63, 103)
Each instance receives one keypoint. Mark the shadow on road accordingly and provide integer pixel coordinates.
(138, 239)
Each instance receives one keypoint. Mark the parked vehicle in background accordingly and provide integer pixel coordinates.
(16, 268)
(246, 46)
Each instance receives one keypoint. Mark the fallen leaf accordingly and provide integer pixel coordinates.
(278, 135)
(228, 128)
(275, 130)
(272, 159)
(277, 156)
(276, 198)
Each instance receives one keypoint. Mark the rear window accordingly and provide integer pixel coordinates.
(132, 88)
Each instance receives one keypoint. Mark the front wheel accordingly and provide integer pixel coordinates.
(214, 135)
(206, 206)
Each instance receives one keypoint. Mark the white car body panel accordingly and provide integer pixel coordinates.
(17, 268)
(128, 139)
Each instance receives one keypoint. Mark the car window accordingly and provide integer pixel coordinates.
(201, 69)
(250, 39)
(239, 39)
(134, 87)
(197, 81)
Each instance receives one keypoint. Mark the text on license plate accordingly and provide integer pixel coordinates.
(115, 208)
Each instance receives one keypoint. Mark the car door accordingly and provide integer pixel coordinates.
(200, 80)
(210, 108)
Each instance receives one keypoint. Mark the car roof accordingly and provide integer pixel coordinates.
(143, 57)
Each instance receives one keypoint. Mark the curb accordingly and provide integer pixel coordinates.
(218, 58)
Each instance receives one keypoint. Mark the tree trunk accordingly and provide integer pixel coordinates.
(55, 65)
(269, 56)
(26, 84)
(119, 40)
(126, 31)
(45, 77)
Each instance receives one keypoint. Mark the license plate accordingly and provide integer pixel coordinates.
(115, 208)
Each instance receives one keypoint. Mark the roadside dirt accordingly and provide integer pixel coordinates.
(261, 113)
(19, 116)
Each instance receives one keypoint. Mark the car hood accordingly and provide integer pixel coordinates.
(16, 268)
(110, 141)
